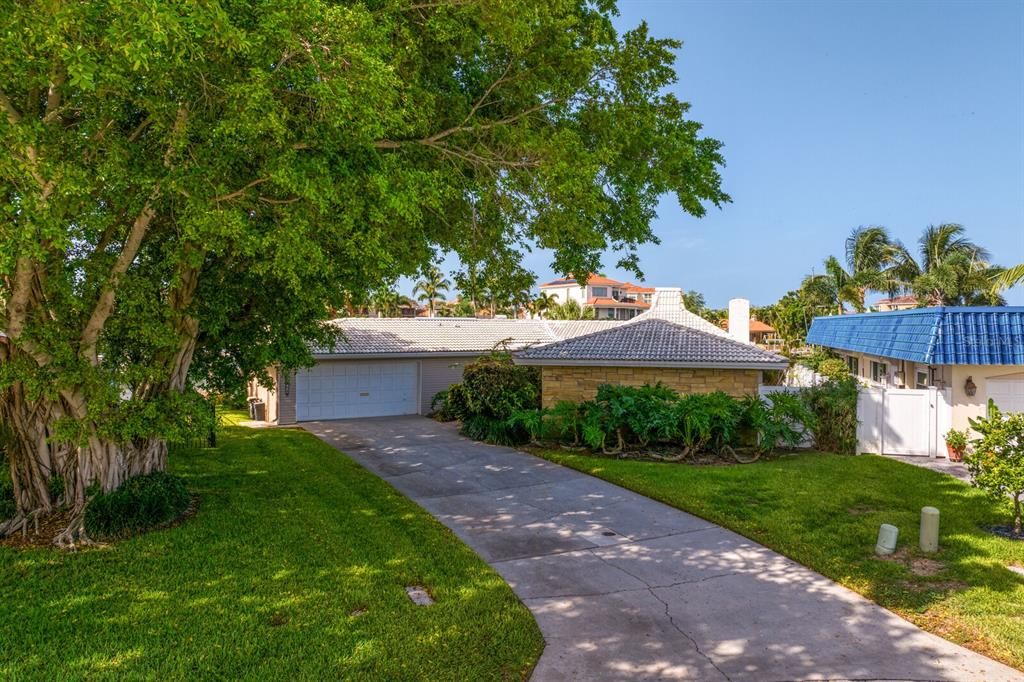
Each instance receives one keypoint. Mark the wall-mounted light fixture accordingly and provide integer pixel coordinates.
(286, 384)
(969, 387)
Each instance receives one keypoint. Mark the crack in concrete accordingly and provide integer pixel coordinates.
(685, 634)
(668, 614)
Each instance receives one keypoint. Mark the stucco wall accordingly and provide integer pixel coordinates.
(966, 407)
(580, 383)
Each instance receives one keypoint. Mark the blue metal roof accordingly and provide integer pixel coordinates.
(934, 336)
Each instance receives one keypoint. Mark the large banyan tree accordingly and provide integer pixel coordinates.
(188, 188)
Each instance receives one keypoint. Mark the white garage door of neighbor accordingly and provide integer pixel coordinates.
(1008, 394)
(342, 390)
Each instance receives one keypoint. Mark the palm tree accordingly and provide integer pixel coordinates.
(543, 303)
(953, 270)
(571, 310)
(1009, 278)
(386, 303)
(833, 289)
(432, 287)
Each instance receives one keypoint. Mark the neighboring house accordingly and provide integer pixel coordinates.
(976, 352)
(761, 334)
(394, 366)
(887, 305)
(667, 344)
(610, 299)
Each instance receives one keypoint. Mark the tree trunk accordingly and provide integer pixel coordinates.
(1017, 521)
(49, 474)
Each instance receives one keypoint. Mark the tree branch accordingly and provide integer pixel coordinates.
(239, 192)
(105, 304)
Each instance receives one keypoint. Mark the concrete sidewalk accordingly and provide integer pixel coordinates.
(627, 588)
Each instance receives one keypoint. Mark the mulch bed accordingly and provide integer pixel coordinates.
(1005, 532)
(53, 524)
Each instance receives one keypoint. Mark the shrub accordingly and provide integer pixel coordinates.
(834, 406)
(493, 389)
(440, 409)
(141, 503)
(997, 460)
(781, 420)
(833, 368)
(817, 356)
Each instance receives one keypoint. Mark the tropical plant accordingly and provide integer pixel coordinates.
(1008, 278)
(571, 310)
(189, 188)
(694, 302)
(781, 420)
(544, 303)
(431, 287)
(834, 405)
(386, 303)
(996, 461)
(952, 269)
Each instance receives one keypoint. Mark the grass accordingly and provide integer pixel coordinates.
(824, 510)
(295, 567)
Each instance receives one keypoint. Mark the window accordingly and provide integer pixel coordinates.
(922, 379)
(853, 364)
(599, 291)
(879, 372)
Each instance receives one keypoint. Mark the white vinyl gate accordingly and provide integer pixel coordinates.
(897, 421)
(904, 421)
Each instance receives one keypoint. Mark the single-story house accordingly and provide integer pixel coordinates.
(976, 352)
(665, 344)
(395, 366)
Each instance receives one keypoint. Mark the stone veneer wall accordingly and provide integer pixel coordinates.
(580, 383)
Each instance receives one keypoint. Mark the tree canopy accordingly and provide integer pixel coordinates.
(189, 187)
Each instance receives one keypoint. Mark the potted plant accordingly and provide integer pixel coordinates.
(956, 444)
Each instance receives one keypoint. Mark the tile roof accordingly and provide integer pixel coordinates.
(605, 301)
(637, 289)
(668, 305)
(599, 280)
(935, 336)
(362, 336)
(758, 326)
(652, 342)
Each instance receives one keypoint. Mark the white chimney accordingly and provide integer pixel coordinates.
(739, 319)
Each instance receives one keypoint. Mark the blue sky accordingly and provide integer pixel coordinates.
(834, 115)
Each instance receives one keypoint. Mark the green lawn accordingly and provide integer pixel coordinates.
(292, 538)
(824, 511)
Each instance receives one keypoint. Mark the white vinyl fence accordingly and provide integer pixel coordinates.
(897, 421)
(904, 421)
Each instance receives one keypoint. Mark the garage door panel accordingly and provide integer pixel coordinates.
(342, 390)
(1008, 394)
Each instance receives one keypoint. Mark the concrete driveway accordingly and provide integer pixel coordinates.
(627, 588)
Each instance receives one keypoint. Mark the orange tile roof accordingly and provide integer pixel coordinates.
(759, 326)
(637, 289)
(608, 301)
(593, 279)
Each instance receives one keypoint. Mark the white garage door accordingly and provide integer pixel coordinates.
(1008, 394)
(341, 390)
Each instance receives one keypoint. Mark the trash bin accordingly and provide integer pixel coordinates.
(252, 410)
(259, 411)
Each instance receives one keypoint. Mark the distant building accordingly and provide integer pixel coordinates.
(888, 305)
(610, 298)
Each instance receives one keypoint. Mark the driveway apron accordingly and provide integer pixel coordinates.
(626, 588)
